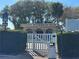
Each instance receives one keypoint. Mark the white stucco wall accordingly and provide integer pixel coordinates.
(72, 24)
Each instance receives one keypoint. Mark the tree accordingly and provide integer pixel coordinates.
(20, 12)
(39, 11)
(26, 11)
(70, 12)
(57, 10)
(35, 11)
(11, 18)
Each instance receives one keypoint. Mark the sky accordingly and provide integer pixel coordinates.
(72, 3)
(3, 3)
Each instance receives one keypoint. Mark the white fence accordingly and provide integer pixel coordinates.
(39, 42)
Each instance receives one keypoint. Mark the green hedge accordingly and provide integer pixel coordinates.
(68, 44)
(12, 42)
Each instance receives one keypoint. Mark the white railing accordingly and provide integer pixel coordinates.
(39, 42)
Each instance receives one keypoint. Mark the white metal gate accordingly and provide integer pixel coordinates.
(39, 42)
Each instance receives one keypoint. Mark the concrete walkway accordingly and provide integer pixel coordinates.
(18, 56)
(38, 57)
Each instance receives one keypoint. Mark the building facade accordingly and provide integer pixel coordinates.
(72, 25)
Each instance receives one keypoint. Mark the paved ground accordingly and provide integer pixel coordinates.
(37, 57)
(18, 56)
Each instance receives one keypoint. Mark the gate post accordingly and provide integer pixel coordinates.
(52, 46)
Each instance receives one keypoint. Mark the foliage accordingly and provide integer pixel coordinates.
(34, 12)
(12, 45)
(26, 10)
(57, 9)
(68, 44)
